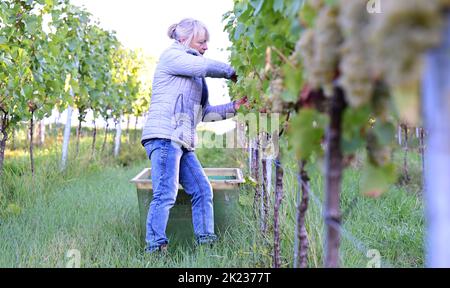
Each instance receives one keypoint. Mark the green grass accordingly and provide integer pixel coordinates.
(93, 208)
(97, 214)
(392, 224)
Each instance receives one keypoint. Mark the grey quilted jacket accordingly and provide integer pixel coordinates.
(180, 96)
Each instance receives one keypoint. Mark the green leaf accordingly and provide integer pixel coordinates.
(5, 60)
(306, 133)
(308, 15)
(351, 145)
(354, 126)
(240, 28)
(257, 5)
(376, 180)
(241, 8)
(32, 24)
(384, 132)
(295, 7)
(278, 5)
(49, 3)
(407, 101)
(293, 82)
(28, 91)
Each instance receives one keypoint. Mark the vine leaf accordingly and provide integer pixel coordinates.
(306, 133)
(257, 4)
(407, 102)
(278, 5)
(376, 180)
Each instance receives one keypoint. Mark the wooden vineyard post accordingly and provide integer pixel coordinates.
(301, 240)
(276, 221)
(66, 139)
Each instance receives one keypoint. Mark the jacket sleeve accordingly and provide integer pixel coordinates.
(180, 63)
(219, 112)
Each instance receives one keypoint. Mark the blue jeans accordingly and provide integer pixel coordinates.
(172, 164)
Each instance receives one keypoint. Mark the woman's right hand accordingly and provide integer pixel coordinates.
(234, 77)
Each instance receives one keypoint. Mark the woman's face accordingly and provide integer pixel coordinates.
(200, 43)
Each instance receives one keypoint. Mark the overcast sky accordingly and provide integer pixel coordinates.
(144, 23)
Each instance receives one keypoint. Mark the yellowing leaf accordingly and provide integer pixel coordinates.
(376, 180)
(407, 102)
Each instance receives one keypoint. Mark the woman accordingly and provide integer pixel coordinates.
(179, 102)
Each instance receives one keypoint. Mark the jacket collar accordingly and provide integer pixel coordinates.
(180, 46)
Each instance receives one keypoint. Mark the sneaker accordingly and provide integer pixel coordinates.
(208, 240)
(163, 248)
(153, 249)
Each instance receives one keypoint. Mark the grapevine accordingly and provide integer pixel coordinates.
(336, 49)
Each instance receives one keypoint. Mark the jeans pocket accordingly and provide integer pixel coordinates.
(148, 148)
(157, 143)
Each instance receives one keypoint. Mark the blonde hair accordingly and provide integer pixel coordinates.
(187, 29)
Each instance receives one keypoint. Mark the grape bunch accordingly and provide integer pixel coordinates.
(318, 50)
(296, 55)
(306, 44)
(405, 30)
(326, 57)
(276, 89)
(316, 4)
(401, 34)
(355, 71)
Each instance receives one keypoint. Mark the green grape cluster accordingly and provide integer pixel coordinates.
(318, 50)
(316, 4)
(326, 57)
(401, 34)
(355, 71)
(404, 30)
(295, 57)
(365, 49)
(306, 44)
(276, 89)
